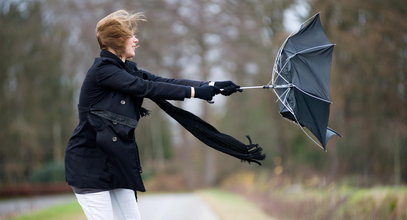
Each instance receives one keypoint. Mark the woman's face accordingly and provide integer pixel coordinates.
(129, 47)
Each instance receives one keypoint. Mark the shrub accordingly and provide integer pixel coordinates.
(49, 172)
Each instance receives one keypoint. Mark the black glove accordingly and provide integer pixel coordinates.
(228, 87)
(206, 92)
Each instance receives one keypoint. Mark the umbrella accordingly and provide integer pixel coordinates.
(300, 80)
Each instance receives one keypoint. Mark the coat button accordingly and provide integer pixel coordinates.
(114, 139)
(122, 102)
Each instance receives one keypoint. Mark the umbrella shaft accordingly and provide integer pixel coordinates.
(256, 87)
(268, 87)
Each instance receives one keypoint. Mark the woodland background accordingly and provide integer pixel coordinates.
(46, 47)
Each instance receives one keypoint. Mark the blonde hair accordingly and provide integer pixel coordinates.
(113, 30)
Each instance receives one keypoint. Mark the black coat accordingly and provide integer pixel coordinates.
(102, 152)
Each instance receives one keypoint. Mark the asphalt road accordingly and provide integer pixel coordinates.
(171, 206)
(179, 206)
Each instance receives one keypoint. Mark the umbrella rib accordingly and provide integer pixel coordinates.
(278, 57)
(286, 96)
(311, 49)
(288, 107)
(302, 25)
(309, 136)
(279, 73)
(283, 94)
(313, 96)
(285, 104)
(295, 54)
(286, 62)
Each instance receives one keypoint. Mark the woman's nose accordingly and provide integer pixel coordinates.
(135, 40)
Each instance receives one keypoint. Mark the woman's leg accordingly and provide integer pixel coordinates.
(97, 206)
(124, 204)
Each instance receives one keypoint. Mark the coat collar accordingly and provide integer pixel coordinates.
(128, 65)
(108, 54)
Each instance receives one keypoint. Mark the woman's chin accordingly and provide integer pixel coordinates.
(130, 56)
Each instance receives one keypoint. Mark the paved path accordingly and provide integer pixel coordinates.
(171, 206)
(29, 204)
(174, 206)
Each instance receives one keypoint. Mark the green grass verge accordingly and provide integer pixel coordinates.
(67, 211)
(232, 206)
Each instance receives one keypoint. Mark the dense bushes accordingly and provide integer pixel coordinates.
(50, 172)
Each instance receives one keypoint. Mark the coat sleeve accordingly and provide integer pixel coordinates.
(184, 82)
(112, 77)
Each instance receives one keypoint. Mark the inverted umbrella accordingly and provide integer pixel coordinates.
(300, 79)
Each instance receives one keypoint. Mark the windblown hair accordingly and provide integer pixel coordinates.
(113, 30)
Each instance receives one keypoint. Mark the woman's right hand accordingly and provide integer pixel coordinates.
(228, 87)
(206, 92)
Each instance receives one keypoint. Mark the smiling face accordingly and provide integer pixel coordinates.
(129, 48)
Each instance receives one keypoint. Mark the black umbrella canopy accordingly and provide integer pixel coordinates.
(301, 79)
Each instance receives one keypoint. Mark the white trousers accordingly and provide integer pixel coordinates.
(118, 204)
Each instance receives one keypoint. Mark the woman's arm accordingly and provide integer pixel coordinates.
(227, 87)
(184, 82)
(113, 77)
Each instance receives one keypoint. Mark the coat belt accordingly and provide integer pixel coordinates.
(111, 116)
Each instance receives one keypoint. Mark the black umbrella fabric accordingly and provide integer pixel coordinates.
(301, 76)
(300, 79)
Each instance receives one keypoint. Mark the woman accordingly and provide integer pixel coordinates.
(101, 161)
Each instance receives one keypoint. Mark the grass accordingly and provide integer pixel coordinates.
(232, 206)
(67, 211)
